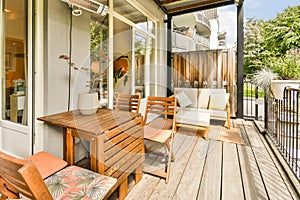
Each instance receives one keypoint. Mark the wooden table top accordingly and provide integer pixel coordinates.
(98, 123)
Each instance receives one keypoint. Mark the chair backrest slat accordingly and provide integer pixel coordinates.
(162, 106)
(127, 102)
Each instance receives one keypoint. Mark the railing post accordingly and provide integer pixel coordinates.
(266, 99)
(256, 105)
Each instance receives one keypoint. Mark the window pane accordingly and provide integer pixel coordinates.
(140, 52)
(14, 76)
(99, 57)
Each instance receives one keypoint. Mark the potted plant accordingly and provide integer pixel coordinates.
(287, 67)
(271, 83)
(87, 103)
(263, 78)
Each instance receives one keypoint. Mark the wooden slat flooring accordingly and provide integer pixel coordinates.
(210, 169)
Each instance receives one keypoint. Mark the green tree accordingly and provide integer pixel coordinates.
(283, 32)
(253, 45)
(274, 44)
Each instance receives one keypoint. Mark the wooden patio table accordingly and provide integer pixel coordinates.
(116, 142)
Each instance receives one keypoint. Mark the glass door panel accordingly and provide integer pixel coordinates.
(140, 61)
(14, 72)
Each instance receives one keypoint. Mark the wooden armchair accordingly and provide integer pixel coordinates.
(21, 178)
(162, 129)
(128, 102)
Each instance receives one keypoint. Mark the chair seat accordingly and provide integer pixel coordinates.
(75, 183)
(161, 123)
(156, 135)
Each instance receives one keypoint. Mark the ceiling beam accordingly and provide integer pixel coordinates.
(199, 6)
(160, 6)
(166, 2)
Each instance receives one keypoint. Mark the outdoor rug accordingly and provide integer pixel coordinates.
(221, 133)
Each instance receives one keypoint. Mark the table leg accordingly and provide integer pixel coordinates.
(93, 153)
(69, 147)
(123, 189)
(138, 173)
(100, 154)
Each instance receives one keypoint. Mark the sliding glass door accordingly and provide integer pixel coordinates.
(16, 90)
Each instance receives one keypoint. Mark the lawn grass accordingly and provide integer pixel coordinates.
(250, 91)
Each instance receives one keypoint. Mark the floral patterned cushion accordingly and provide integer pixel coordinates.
(77, 183)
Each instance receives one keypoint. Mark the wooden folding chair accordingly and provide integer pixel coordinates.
(162, 129)
(21, 178)
(128, 102)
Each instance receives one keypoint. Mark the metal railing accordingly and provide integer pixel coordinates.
(282, 124)
(253, 101)
(201, 40)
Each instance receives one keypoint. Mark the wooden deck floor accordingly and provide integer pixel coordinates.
(210, 169)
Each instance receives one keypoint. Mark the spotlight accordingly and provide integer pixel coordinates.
(77, 11)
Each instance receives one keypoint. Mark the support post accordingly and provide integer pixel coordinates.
(240, 60)
(169, 55)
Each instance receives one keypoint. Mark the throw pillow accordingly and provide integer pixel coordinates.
(203, 98)
(183, 99)
(217, 102)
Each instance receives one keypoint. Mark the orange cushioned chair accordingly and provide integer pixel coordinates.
(22, 179)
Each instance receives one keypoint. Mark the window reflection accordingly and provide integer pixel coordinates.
(140, 52)
(99, 57)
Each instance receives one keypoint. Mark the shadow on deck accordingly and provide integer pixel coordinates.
(211, 169)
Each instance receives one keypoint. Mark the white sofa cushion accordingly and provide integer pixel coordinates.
(217, 102)
(203, 98)
(192, 93)
(193, 118)
(214, 113)
(222, 114)
(183, 99)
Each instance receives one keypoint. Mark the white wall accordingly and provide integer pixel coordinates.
(56, 70)
(214, 42)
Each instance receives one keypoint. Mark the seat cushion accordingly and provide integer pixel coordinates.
(193, 117)
(222, 114)
(76, 183)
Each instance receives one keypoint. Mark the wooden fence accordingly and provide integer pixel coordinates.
(207, 68)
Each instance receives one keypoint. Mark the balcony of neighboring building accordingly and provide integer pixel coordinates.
(202, 43)
(202, 25)
(182, 42)
(222, 39)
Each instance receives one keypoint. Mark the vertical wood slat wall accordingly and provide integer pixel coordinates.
(216, 67)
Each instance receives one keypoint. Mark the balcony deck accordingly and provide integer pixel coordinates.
(210, 169)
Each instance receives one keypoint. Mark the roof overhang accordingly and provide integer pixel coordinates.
(178, 7)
